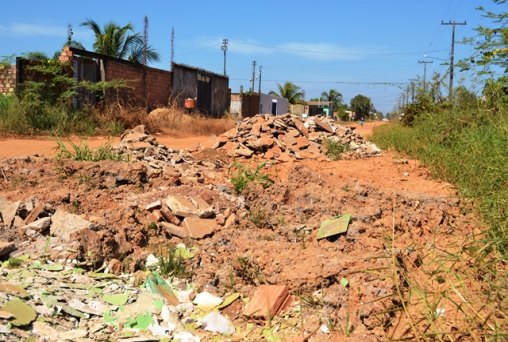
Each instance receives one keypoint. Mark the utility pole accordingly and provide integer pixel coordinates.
(253, 75)
(424, 62)
(452, 53)
(69, 34)
(224, 48)
(145, 60)
(172, 47)
(260, 71)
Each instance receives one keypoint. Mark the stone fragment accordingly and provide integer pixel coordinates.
(301, 127)
(154, 205)
(199, 228)
(243, 152)
(63, 224)
(169, 216)
(39, 226)
(195, 206)
(8, 211)
(333, 226)
(174, 230)
(323, 125)
(6, 248)
(217, 323)
(34, 214)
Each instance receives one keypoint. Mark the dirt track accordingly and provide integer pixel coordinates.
(402, 220)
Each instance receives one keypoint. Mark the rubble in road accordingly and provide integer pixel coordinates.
(287, 137)
(161, 247)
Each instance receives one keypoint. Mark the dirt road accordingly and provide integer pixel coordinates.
(382, 276)
(46, 146)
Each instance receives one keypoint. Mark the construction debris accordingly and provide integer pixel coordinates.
(286, 137)
(268, 301)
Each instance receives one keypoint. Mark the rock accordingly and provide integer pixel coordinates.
(40, 225)
(115, 266)
(154, 205)
(64, 224)
(34, 214)
(6, 248)
(181, 206)
(243, 152)
(8, 210)
(323, 125)
(199, 228)
(175, 230)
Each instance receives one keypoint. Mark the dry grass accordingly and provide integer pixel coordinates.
(174, 121)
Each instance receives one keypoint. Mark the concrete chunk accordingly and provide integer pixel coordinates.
(6, 248)
(8, 210)
(64, 224)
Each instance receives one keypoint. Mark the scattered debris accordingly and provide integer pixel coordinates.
(333, 226)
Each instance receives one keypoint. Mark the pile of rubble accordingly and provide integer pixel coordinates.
(286, 137)
(138, 145)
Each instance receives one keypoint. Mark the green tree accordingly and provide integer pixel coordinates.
(361, 105)
(120, 42)
(334, 97)
(492, 49)
(290, 91)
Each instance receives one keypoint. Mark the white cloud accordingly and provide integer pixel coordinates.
(312, 51)
(38, 30)
(244, 47)
(322, 51)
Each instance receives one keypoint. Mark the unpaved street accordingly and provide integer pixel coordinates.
(118, 216)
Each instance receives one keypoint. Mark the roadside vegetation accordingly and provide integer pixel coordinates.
(463, 139)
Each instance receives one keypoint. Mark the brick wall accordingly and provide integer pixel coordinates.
(158, 82)
(7, 79)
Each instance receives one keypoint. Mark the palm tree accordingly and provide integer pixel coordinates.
(333, 97)
(290, 91)
(120, 42)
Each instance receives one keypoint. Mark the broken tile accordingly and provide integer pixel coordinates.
(268, 301)
(333, 226)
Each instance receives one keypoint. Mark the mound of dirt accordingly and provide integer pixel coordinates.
(286, 137)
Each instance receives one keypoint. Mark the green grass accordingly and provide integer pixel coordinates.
(172, 264)
(243, 176)
(83, 152)
(468, 149)
(334, 149)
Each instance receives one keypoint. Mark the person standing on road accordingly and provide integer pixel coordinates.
(362, 121)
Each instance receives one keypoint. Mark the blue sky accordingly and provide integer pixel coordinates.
(346, 45)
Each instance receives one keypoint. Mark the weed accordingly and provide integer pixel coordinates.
(152, 226)
(14, 262)
(281, 221)
(172, 263)
(115, 127)
(334, 148)
(76, 205)
(243, 176)
(82, 152)
(257, 217)
(346, 188)
(246, 269)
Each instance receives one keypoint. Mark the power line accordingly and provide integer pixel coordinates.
(395, 84)
(327, 52)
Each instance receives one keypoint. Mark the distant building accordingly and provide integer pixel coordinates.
(250, 104)
(319, 108)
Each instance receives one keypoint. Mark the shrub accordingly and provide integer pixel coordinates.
(82, 152)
